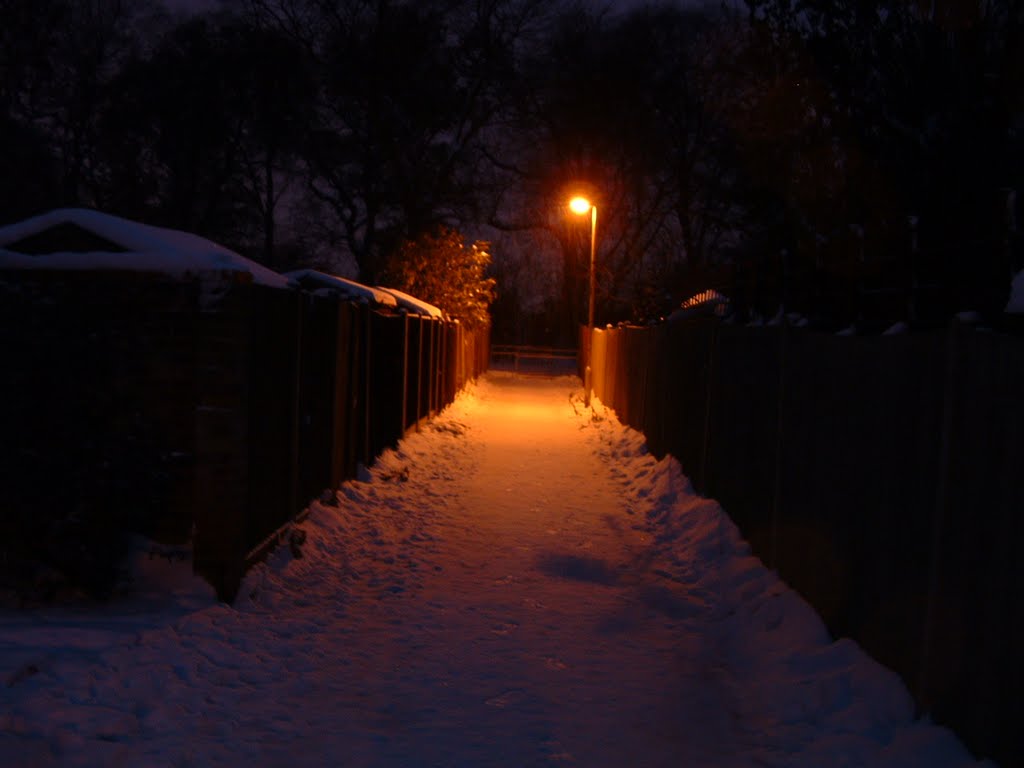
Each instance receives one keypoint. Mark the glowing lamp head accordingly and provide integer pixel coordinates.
(580, 205)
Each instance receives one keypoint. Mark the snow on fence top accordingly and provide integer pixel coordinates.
(412, 304)
(311, 278)
(103, 241)
(709, 301)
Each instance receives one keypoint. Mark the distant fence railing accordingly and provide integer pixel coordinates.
(534, 359)
(207, 409)
(880, 476)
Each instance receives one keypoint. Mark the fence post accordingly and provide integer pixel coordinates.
(405, 371)
(460, 356)
(368, 355)
(939, 512)
(708, 403)
(302, 310)
(442, 373)
(419, 378)
(639, 400)
(432, 384)
(355, 398)
(773, 546)
(442, 362)
(221, 436)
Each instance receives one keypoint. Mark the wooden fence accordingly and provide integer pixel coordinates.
(207, 409)
(880, 476)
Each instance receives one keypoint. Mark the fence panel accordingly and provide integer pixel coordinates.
(452, 366)
(483, 346)
(612, 370)
(880, 476)
(599, 363)
(858, 431)
(656, 422)
(688, 354)
(972, 671)
(742, 436)
(274, 344)
(413, 370)
(318, 390)
(420, 379)
(386, 369)
(96, 406)
(638, 347)
(344, 448)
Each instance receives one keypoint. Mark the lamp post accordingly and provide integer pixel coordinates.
(580, 206)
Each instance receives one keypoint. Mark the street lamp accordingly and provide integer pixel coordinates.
(580, 206)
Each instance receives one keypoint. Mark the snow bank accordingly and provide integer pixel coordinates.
(823, 702)
(149, 249)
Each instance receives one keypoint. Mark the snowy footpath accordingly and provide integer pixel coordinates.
(520, 584)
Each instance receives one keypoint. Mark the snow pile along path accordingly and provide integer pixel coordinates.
(521, 584)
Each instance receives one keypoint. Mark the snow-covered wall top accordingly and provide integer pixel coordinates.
(412, 304)
(348, 288)
(1016, 302)
(146, 248)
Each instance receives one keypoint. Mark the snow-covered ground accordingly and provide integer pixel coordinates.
(521, 584)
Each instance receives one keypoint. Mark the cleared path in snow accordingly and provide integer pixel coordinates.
(537, 633)
(518, 585)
